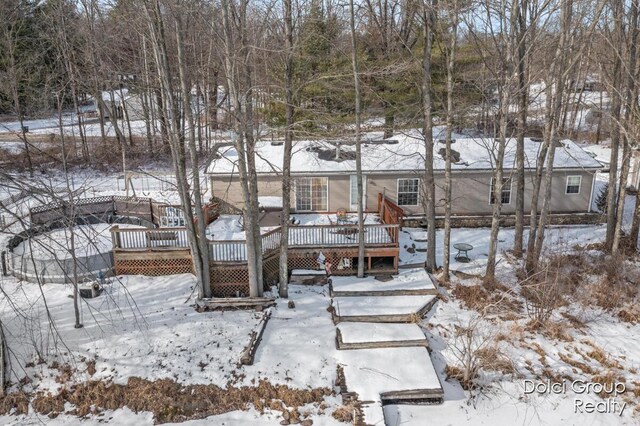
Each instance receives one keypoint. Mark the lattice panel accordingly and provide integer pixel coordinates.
(343, 262)
(271, 271)
(229, 281)
(153, 267)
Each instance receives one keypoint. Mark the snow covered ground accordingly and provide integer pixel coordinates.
(147, 326)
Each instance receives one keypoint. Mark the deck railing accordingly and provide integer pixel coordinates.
(389, 211)
(236, 250)
(375, 235)
(342, 235)
(145, 239)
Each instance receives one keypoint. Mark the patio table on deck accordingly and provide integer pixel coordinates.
(463, 252)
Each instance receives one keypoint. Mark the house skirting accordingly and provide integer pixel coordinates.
(231, 279)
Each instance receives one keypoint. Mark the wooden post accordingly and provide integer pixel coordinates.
(115, 236)
(4, 362)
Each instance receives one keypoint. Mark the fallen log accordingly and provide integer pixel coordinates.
(228, 303)
(249, 353)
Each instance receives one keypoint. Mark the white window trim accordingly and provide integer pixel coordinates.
(295, 192)
(566, 186)
(510, 191)
(398, 192)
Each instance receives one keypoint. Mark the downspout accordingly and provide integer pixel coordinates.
(593, 185)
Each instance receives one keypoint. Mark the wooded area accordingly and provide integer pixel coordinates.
(242, 71)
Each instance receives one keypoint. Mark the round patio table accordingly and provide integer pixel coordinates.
(463, 252)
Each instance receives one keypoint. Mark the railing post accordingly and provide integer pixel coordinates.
(115, 236)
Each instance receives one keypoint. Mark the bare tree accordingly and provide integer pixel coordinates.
(522, 60)
(554, 85)
(428, 21)
(286, 160)
(617, 39)
(629, 120)
(356, 83)
(237, 71)
(197, 239)
(453, 10)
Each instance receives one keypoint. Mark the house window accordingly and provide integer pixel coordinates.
(312, 194)
(505, 196)
(573, 184)
(408, 192)
(353, 192)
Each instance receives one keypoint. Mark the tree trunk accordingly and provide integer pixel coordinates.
(498, 174)
(283, 288)
(147, 103)
(70, 219)
(555, 90)
(428, 15)
(630, 123)
(523, 100)
(200, 257)
(176, 144)
(356, 83)
(451, 53)
(244, 127)
(616, 104)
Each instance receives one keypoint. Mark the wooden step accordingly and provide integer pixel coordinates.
(381, 309)
(352, 335)
(308, 277)
(415, 282)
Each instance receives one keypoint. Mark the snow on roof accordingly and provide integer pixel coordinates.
(407, 154)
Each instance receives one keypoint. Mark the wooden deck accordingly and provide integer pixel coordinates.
(161, 251)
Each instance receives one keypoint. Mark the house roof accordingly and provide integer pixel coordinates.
(407, 154)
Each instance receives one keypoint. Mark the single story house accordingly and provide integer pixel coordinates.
(324, 178)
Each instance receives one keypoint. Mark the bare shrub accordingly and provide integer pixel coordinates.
(497, 301)
(468, 346)
(548, 288)
(494, 360)
(167, 400)
(576, 364)
(472, 296)
(629, 316)
(343, 414)
(557, 330)
(617, 286)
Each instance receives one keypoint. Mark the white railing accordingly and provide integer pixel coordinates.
(143, 239)
(342, 235)
(316, 236)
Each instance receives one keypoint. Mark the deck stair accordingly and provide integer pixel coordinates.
(308, 277)
(419, 239)
(366, 335)
(388, 309)
(383, 354)
(414, 282)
